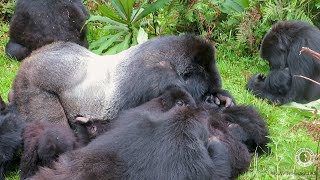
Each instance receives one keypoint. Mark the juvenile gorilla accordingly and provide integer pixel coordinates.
(165, 138)
(281, 47)
(79, 83)
(43, 143)
(11, 126)
(39, 22)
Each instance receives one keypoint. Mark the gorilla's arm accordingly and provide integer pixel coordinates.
(275, 86)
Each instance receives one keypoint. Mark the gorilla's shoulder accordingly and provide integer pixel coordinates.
(60, 47)
(183, 41)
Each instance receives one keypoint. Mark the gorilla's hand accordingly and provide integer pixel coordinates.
(260, 77)
(223, 100)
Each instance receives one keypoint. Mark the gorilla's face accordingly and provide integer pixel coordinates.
(274, 50)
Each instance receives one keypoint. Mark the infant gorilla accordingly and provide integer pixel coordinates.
(168, 137)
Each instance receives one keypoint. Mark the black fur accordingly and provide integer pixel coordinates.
(39, 22)
(43, 143)
(281, 47)
(11, 126)
(244, 123)
(168, 137)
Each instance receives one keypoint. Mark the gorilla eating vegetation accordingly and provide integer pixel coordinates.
(168, 137)
(281, 47)
(39, 22)
(63, 80)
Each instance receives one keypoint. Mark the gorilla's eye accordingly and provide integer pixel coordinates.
(185, 76)
(180, 103)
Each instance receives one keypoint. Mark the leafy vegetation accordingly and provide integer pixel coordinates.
(123, 21)
(8, 67)
(6, 9)
(241, 22)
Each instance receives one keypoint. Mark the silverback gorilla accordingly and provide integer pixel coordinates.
(39, 22)
(281, 47)
(63, 80)
(168, 137)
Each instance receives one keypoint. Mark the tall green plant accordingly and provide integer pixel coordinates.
(286, 10)
(122, 19)
(231, 6)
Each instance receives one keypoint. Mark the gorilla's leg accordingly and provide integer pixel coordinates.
(16, 50)
(42, 106)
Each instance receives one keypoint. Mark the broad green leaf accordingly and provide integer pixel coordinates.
(230, 6)
(126, 42)
(136, 13)
(134, 36)
(109, 42)
(124, 28)
(110, 13)
(119, 8)
(306, 109)
(113, 50)
(104, 20)
(243, 3)
(120, 47)
(98, 43)
(128, 7)
(142, 36)
(151, 8)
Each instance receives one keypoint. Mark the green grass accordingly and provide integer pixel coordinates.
(8, 67)
(280, 164)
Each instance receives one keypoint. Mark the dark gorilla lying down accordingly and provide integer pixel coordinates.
(168, 137)
(36, 23)
(62, 81)
(281, 47)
